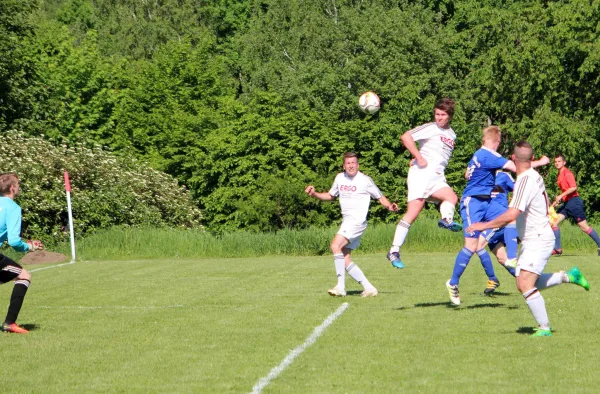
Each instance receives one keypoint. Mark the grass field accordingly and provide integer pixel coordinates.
(220, 325)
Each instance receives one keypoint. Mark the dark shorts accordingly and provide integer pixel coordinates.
(573, 209)
(9, 270)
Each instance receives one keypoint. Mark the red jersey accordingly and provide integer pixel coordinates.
(566, 180)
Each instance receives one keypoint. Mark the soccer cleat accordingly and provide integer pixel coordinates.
(511, 263)
(13, 327)
(337, 292)
(370, 292)
(449, 224)
(542, 332)
(394, 258)
(492, 285)
(453, 292)
(576, 277)
(557, 252)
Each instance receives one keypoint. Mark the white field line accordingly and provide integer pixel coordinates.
(263, 382)
(110, 307)
(52, 266)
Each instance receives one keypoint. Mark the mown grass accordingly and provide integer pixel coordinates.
(158, 243)
(221, 324)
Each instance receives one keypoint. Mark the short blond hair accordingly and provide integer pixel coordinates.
(7, 180)
(491, 133)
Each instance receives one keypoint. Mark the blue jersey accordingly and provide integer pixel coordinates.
(481, 172)
(10, 224)
(499, 204)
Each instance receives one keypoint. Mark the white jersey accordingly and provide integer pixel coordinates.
(435, 144)
(529, 197)
(355, 195)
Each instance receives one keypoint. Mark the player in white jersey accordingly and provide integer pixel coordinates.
(355, 191)
(529, 206)
(426, 179)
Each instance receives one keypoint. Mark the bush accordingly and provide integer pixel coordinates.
(106, 190)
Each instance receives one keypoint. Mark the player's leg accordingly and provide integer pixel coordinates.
(534, 256)
(354, 270)
(586, 228)
(10, 270)
(556, 230)
(499, 250)
(448, 199)
(412, 212)
(510, 240)
(337, 246)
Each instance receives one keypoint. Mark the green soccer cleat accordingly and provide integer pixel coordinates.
(576, 277)
(542, 332)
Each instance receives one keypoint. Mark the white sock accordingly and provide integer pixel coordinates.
(536, 304)
(400, 236)
(447, 210)
(356, 273)
(549, 280)
(340, 270)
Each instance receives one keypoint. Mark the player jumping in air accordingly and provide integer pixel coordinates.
(355, 191)
(10, 230)
(426, 179)
(572, 206)
(529, 207)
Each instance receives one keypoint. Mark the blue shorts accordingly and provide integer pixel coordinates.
(472, 210)
(573, 209)
(494, 237)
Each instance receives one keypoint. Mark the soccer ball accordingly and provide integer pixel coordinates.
(369, 102)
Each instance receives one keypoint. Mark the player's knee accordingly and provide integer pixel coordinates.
(335, 248)
(25, 275)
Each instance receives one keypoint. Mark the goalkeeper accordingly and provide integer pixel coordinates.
(10, 230)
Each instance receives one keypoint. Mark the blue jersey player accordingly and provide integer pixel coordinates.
(476, 198)
(501, 241)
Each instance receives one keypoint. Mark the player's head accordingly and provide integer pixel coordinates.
(443, 111)
(351, 163)
(523, 152)
(559, 161)
(491, 137)
(9, 184)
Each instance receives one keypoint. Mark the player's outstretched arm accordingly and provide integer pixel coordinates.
(310, 190)
(387, 204)
(542, 161)
(411, 146)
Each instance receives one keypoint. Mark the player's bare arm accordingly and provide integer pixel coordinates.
(500, 221)
(310, 190)
(542, 161)
(387, 204)
(561, 196)
(411, 146)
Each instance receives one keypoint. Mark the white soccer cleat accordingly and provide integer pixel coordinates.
(511, 263)
(370, 292)
(337, 292)
(453, 292)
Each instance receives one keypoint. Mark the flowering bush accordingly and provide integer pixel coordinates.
(106, 190)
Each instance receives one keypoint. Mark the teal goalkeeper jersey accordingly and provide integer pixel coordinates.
(10, 224)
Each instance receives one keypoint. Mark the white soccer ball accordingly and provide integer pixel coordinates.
(369, 102)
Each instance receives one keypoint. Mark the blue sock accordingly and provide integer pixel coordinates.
(594, 236)
(510, 270)
(556, 231)
(510, 239)
(460, 265)
(486, 262)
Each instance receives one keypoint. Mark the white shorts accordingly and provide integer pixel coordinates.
(534, 255)
(352, 231)
(423, 182)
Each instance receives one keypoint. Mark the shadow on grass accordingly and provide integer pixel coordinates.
(353, 292)
(30, 327)
(449, 305)
(525, 330)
